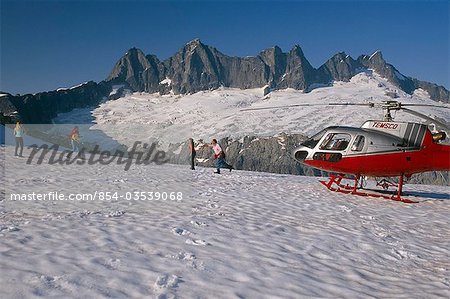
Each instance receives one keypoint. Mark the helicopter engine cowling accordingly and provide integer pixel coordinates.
(439, 136)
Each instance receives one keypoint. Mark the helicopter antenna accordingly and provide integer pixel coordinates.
(388, 115)
(388, 106)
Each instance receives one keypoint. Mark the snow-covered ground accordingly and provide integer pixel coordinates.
(216, 114)
(237, 235)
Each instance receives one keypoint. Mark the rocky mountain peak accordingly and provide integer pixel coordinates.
(193, 45)
(340, 67)
(377, 56)
(297, 50)
(134, 51)
(129, 69)
(194, 42)
(377, 63)
(296, 47)
(273, 51)
(194, 67)
(340, 55)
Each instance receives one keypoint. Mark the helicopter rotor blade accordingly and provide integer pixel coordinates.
(423, 116)
(309, 105)
(424, 105)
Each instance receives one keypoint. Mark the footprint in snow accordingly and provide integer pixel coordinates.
(198, 223)
(403, 254)
(197, 242)
(345, 209)
(9, 229)
(166, 296)
(167, 281)
(213, 206)
(180, 232)
(216, 214)
(183, 255)
(115, 214)
(45, 180)
(120, 180)
(189, 258)
(113, 264)
(49, 281)
(366, 219)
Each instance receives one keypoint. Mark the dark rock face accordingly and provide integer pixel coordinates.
(199, 67)
(153, 74)
(194, 68)
(437, 93)
(248, 72)
(299, 72)
(7, 108)
(42, 107)
(265, 154)
(270, 154)
(129, 69)
(273, 154)
(340, 67)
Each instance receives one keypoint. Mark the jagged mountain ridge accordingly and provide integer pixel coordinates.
(197, 67)
(42, 107)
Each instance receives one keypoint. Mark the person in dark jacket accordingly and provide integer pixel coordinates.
(192, 152)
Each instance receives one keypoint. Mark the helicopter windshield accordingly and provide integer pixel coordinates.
(336, 142)
(312, 142)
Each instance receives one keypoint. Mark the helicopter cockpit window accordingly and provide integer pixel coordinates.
(358, 144)
(335, 142)
(312, 142)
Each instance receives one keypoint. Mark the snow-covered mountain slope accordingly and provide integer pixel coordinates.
(241, 234)
(216, 114)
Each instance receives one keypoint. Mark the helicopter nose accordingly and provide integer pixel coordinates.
(301, 153)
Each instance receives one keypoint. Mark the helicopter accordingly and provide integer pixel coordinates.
(379, 148)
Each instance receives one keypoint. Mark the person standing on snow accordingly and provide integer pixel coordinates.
(74, 137)
(219, 155)
(192, 152)
(18, 134)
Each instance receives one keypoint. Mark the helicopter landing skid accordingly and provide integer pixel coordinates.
(335, 184)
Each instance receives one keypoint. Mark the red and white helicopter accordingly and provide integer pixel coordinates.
(377, 149)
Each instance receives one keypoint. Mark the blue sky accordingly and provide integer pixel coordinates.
(50, 44)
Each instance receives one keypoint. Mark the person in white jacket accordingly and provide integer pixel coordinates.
(18, 134)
